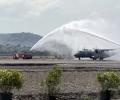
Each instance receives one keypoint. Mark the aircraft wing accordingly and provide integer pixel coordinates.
(105, 49)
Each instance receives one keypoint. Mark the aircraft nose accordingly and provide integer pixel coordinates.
(76, 55)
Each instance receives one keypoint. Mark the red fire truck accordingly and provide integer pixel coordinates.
(22, 56)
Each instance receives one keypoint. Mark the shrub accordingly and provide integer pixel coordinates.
(85, 97)
(53, 80)
(10, 79)
(108, 80)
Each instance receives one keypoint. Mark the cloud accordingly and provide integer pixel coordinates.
(22, 8)
(39, 6)
(7, 2)
(43, 16)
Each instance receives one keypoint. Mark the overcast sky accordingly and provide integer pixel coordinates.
(42, 16)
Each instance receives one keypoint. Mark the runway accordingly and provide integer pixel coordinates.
(54, 61)
(65, 64)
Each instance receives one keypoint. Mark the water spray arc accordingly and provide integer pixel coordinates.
(66, 41)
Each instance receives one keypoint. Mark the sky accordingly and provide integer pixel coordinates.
(42, 16)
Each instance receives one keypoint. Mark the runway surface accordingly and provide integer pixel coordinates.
(53, 61)
(65, 64)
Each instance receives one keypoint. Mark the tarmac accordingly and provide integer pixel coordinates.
(66, 64)
(54, 61)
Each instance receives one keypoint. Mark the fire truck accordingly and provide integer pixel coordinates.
(22, 56)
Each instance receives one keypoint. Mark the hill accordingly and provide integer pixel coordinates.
(17, 42)
(22, 39)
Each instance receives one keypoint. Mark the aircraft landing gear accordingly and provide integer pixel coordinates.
(94, 59)
(79, 58)
(101, 59)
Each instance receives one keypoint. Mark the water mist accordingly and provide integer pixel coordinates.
(70, 38)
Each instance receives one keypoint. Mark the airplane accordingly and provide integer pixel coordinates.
(94, 54)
